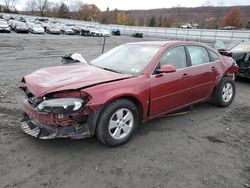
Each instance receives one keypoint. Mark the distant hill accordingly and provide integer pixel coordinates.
(180, 15)
(207, 17)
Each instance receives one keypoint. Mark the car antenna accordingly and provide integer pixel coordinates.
(103, 45)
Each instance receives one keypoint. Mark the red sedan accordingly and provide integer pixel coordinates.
(132, 83)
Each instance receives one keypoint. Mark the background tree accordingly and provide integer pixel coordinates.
(1, 8)
(233, 18)
(63, 11)
(121, 18)
(248, 25)
(131, 20)
(167, 22)
(219, 12)
(152, 22)
(89, 12)
(105, 16)
(9, 5)
(38, 5)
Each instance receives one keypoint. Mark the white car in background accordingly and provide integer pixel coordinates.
(30, 24)
(94, 32)
(12, 24)
(105, 32)
(53, 29)
(67, 30)
(37, 29)
(21, 27)
(4, 26)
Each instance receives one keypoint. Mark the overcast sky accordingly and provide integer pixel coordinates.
(149, 4)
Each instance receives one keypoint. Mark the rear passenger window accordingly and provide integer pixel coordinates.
(198, 55)
(213, 56)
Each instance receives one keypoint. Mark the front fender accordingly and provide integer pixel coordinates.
(136, 87)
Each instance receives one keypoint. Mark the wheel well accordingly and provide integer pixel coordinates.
(136, 102)
(95, 116)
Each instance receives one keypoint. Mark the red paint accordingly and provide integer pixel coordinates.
(156, 94)
(52, 79)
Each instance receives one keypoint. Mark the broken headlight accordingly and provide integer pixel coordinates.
(61, 105)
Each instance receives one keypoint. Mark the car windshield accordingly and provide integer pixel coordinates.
(37, 26)
(242, 47)
(54, 27)
(128, 58)
(21, 24)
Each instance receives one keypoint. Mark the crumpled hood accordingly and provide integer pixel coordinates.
(239, 56)
(68, 77)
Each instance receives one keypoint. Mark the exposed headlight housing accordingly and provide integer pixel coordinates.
(61, 105)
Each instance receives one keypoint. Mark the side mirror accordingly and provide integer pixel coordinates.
(166, 69)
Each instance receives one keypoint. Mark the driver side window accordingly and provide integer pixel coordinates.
(175, 57)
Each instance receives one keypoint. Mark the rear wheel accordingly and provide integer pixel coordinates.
(224, 92)
(117, 122)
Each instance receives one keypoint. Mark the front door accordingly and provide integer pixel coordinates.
(170, 91)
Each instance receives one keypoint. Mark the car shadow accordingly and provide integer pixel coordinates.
(168, 123)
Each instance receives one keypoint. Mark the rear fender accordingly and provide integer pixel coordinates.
(228, 68)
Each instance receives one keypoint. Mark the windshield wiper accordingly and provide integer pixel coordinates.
(112, 70)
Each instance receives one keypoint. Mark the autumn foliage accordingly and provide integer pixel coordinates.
(205, 17)
(233, 18)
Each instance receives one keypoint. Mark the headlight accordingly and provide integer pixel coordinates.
(61, 105)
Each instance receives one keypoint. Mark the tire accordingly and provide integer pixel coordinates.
(113, 130)
(224, 92)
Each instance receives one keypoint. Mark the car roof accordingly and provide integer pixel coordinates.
(164, 43)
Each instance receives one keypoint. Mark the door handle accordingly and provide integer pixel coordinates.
(185, 75)
(213, 68)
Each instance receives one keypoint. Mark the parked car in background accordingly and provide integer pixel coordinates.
(6, 17)
(137, 35)
(21, 27)
(229, 28)
(4, 27)
(186, 26)
(12, 24)
(116, 32)
(76, 29)
(94, 32)
(84, 31)
(44, 22)
(22, 19)
(37, 29)
(67, 30)
(241, 54)
(30, 24)
(53, 29)
(104, 32)
(132, 83)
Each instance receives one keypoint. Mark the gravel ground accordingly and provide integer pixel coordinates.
(207, 147)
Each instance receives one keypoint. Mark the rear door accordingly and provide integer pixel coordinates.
(203, 72)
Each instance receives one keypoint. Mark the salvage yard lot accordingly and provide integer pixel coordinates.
(206, 147)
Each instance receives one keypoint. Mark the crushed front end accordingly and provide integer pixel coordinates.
(57, 115)
(243, 61)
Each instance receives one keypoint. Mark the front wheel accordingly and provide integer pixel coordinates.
(224, 92)
(117, 122)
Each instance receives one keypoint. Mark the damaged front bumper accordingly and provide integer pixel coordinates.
(45, 126)
(44, 131)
